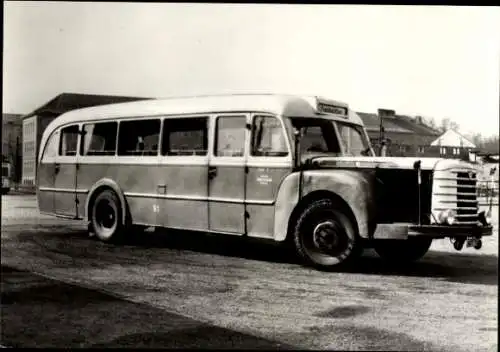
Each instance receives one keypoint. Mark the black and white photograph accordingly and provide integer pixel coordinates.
(250, 176)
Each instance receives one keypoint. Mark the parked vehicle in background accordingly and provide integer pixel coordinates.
(297, 170)
(6, 177)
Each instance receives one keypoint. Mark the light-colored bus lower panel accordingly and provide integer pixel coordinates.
(180, 213)
(45, 201)
(227, 217)
(261, 221)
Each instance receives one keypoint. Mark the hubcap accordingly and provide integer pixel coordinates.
(105, 215)
(329, 238)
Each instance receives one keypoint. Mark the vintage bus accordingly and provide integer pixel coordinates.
(6, 176)
(297, 170)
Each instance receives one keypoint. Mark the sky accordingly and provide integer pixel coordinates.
(433, 61)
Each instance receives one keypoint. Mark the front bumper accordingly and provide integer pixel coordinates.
(440, 231)
(406, 230)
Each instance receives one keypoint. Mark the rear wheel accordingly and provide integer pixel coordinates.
(402, 251)
(106, 221)
(325, 237)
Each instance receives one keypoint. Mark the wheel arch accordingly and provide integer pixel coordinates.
(100, 186)
(315, 196)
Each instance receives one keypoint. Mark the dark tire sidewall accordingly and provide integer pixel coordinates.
(114, 202)
(304, 225)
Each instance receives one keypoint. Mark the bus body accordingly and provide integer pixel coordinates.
(285, 168)
(6, 177)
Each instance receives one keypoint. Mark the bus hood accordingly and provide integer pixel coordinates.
(391, 162)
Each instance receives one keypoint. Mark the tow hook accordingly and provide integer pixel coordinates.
(474, 242)
(458, 243)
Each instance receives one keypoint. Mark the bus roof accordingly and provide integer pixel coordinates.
(287, 105)
(279, 104)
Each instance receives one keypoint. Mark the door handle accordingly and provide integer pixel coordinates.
(212, 172)
(57, 167)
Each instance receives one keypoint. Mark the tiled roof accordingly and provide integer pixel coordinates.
(419, 128)
(70, 101)
(372, 122)
(399, 124)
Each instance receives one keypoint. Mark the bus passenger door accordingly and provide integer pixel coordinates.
(269, 162)
(65, 173)
(227, 176)
(183, 168)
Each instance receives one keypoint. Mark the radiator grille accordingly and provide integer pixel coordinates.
(467, 204)
(457, 189)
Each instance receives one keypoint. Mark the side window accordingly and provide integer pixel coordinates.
(268, 138)
(99, 138)
(186, 136)
(51, 147)
(139, 137)
(230, 136)
(69, 140)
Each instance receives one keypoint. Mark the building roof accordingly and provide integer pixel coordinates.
(452, 138)
(70, 101)
(372, 123)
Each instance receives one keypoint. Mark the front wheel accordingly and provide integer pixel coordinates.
(325, 237)
(402, 251)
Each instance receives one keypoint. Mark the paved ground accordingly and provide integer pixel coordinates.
(61, 288)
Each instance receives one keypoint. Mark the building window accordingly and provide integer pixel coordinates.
(442, 151)
(99, 138)
(230, 136)
(268, 138)
(421, 149)
(402, 148)
(187, 136)
(139, 137)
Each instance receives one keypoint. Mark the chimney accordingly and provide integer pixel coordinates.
(418, 119)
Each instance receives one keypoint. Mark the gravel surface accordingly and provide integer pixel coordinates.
(445, 302)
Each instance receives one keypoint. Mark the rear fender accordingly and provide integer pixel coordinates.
(98, 187)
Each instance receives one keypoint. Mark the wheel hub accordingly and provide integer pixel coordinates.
(105, 215)
(326, 236)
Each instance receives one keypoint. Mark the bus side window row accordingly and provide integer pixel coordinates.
(182, 137)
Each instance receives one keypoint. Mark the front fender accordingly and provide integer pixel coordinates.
(109, 183)
(353, 187)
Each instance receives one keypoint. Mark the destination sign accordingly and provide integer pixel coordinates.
(332, 109)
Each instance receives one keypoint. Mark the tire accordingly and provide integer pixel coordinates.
(325, 237)
(106, 221)
(402, 251)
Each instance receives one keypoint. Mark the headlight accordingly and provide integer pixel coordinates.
(447, 217)
(488, 217)
(485, 217)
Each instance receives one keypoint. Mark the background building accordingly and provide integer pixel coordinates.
(12, 142)
(452, 142)
(407, 136)
(34, 123)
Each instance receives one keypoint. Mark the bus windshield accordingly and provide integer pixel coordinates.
(317, 136)
(354, 140)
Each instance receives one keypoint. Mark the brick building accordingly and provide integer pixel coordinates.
(11, 143)
(407, 136)
(34, 123)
